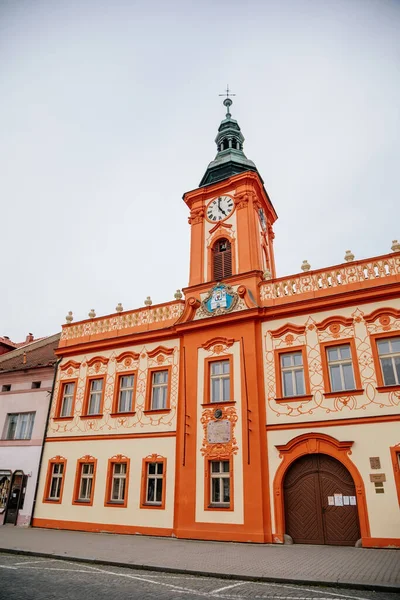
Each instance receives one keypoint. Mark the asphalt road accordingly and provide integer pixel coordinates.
(30, 578)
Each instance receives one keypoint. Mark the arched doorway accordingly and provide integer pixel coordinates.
(320, 502)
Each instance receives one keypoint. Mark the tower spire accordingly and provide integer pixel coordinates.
(227, 102)
(230, 159)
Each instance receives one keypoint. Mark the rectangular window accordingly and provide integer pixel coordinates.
(340, 366)
(55, 488)
(67, 399)
(36, 385)
(159, 390)
(95, 395)
(6, 387)
(19, 426)
(86, 482)
(389, 358)
(155, 482)
(220, 381)
(125, 393)
(292, 373)
(220, 483)
(118, 483)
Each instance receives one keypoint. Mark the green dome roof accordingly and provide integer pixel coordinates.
(230, 159)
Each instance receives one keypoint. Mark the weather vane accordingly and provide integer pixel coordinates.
(227, 102)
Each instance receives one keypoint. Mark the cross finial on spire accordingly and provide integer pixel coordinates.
(227, 102)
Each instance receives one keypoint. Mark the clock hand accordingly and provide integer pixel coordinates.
(219, 207)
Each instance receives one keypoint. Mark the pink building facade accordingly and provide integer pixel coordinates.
(26, 379)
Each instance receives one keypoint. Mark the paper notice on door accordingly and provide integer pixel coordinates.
(331, 501)
(346, 500)
(352, 500)
(338, 499)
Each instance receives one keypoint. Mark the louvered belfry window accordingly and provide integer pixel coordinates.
(222, 259)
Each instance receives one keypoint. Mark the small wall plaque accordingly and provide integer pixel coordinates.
(375, 462)
(219, 432)
(380, 490)
(377, 477)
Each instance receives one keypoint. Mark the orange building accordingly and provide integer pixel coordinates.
(257, 408)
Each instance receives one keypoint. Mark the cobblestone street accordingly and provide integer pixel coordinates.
(27, 578)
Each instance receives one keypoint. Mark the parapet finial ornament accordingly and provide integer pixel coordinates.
(119, 307)
(178, 295)
(148, 301)
(305, 266)
(69, 318)
(267, 274)
(92, 313)
(349, 256)
(395, 246)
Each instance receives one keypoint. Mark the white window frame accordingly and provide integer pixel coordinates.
(56, 476)
(93, 393)
(340, 362)
(158, 386)
(88, 477)
(125, 389)
(220, 475)
(66, 397)
(156, 477)
(392, 355)
(221, 377)
(293, 369)
(118, 477)
(27, 434)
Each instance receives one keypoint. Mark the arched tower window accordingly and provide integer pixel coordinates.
(222, 259)
(225, 144)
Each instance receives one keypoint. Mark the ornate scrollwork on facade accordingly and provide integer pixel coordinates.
(219, 449)
(196, 216)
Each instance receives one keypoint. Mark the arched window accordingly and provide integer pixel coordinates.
(225, 144)
(222, 259)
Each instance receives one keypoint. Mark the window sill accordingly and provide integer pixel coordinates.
(52, 501)
(388, 388)
(219, 507)
(341, 393)
(82, 502)
(130, 413)
(222, 403)
(157, 411)
(304, 398)
(156, 506)
(116, 504)
(91, 416)
(69, 418)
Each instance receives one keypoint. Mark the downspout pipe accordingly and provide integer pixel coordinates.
(44, 437)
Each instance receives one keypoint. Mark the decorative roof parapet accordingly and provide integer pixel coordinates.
(134, 321)
(368, 272)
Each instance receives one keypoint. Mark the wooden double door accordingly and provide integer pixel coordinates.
(320, 499)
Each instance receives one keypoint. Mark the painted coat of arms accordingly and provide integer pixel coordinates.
(221, 299)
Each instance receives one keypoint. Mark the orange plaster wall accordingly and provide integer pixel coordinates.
(256, 526)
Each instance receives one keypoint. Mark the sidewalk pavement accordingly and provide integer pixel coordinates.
(364, 568)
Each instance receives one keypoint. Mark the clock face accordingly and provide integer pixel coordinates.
(220, 208)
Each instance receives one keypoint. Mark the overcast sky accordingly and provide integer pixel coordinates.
(108, 114)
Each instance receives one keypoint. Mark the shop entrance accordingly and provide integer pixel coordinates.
(320, 502)
(15, 497)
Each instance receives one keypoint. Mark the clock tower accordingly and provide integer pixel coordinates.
(231, 218)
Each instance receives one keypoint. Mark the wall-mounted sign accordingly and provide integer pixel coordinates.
(375, 462)
(219, 432)
(374, 477)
